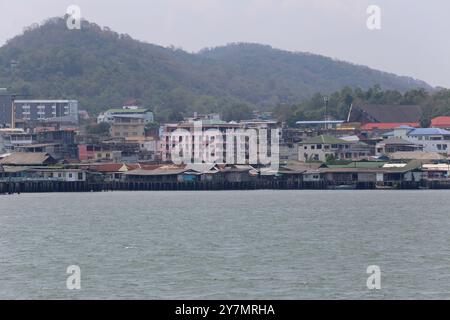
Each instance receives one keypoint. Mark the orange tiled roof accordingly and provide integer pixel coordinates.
(388, 125)
(441, 122)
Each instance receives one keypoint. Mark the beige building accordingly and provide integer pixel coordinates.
(127, 127)
(114, 156)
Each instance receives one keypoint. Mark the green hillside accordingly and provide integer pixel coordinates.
(102, 68)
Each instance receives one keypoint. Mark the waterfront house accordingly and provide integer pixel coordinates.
(111, 171)
(436, 171)
(396, 174)
(163, 174)
(205, 172)
(59, 174)
(237, 173)
(28, 159)
(13, 173)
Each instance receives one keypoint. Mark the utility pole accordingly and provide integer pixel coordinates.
(13, 111)
(325, 102)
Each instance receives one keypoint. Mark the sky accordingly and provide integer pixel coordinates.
(413, 39)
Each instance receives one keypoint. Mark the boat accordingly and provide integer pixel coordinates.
(381, 187)
(342, 187)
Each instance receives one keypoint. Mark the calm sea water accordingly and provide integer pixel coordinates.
(226, 244)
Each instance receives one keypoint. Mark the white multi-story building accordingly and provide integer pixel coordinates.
(431, 139)
(249, 142)
(322, 148)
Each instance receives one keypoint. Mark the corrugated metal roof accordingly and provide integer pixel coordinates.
(28, 158)
(386, 113)
(156, 172)
(428, 132)
(418, 155)
(388, 125)
(397, 141)
(324, 139)
(360, 164)
(118, 110)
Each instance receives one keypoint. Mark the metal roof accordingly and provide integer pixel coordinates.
(321, 122)
(428, 132)
(28, 158)
(324, 139)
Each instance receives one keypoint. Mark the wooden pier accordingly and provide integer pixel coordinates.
(84, 186)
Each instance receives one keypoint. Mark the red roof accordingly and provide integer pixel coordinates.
(441, 122)
(106, 167)
(115, 167)
(388, 125)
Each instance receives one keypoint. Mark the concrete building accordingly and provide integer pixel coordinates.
(66, 175)
(124, 127)
(395, 144)
(60, 144)
(323, 148)
(130, 112)
(431, 139)
(128, 121)
(247, 142)
(64, 111)
(5, 110)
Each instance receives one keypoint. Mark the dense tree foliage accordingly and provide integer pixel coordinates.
(102, 69)
(436, 103)
(98, 129)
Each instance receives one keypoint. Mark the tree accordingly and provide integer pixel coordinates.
(237, 112)
(98, 129)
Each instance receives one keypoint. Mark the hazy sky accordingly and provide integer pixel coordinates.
(413, 40)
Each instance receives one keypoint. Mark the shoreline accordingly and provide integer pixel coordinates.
(70, 187)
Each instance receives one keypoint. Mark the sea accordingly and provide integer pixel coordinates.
(263, 244)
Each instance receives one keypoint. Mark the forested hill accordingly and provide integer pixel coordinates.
(102, 68)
